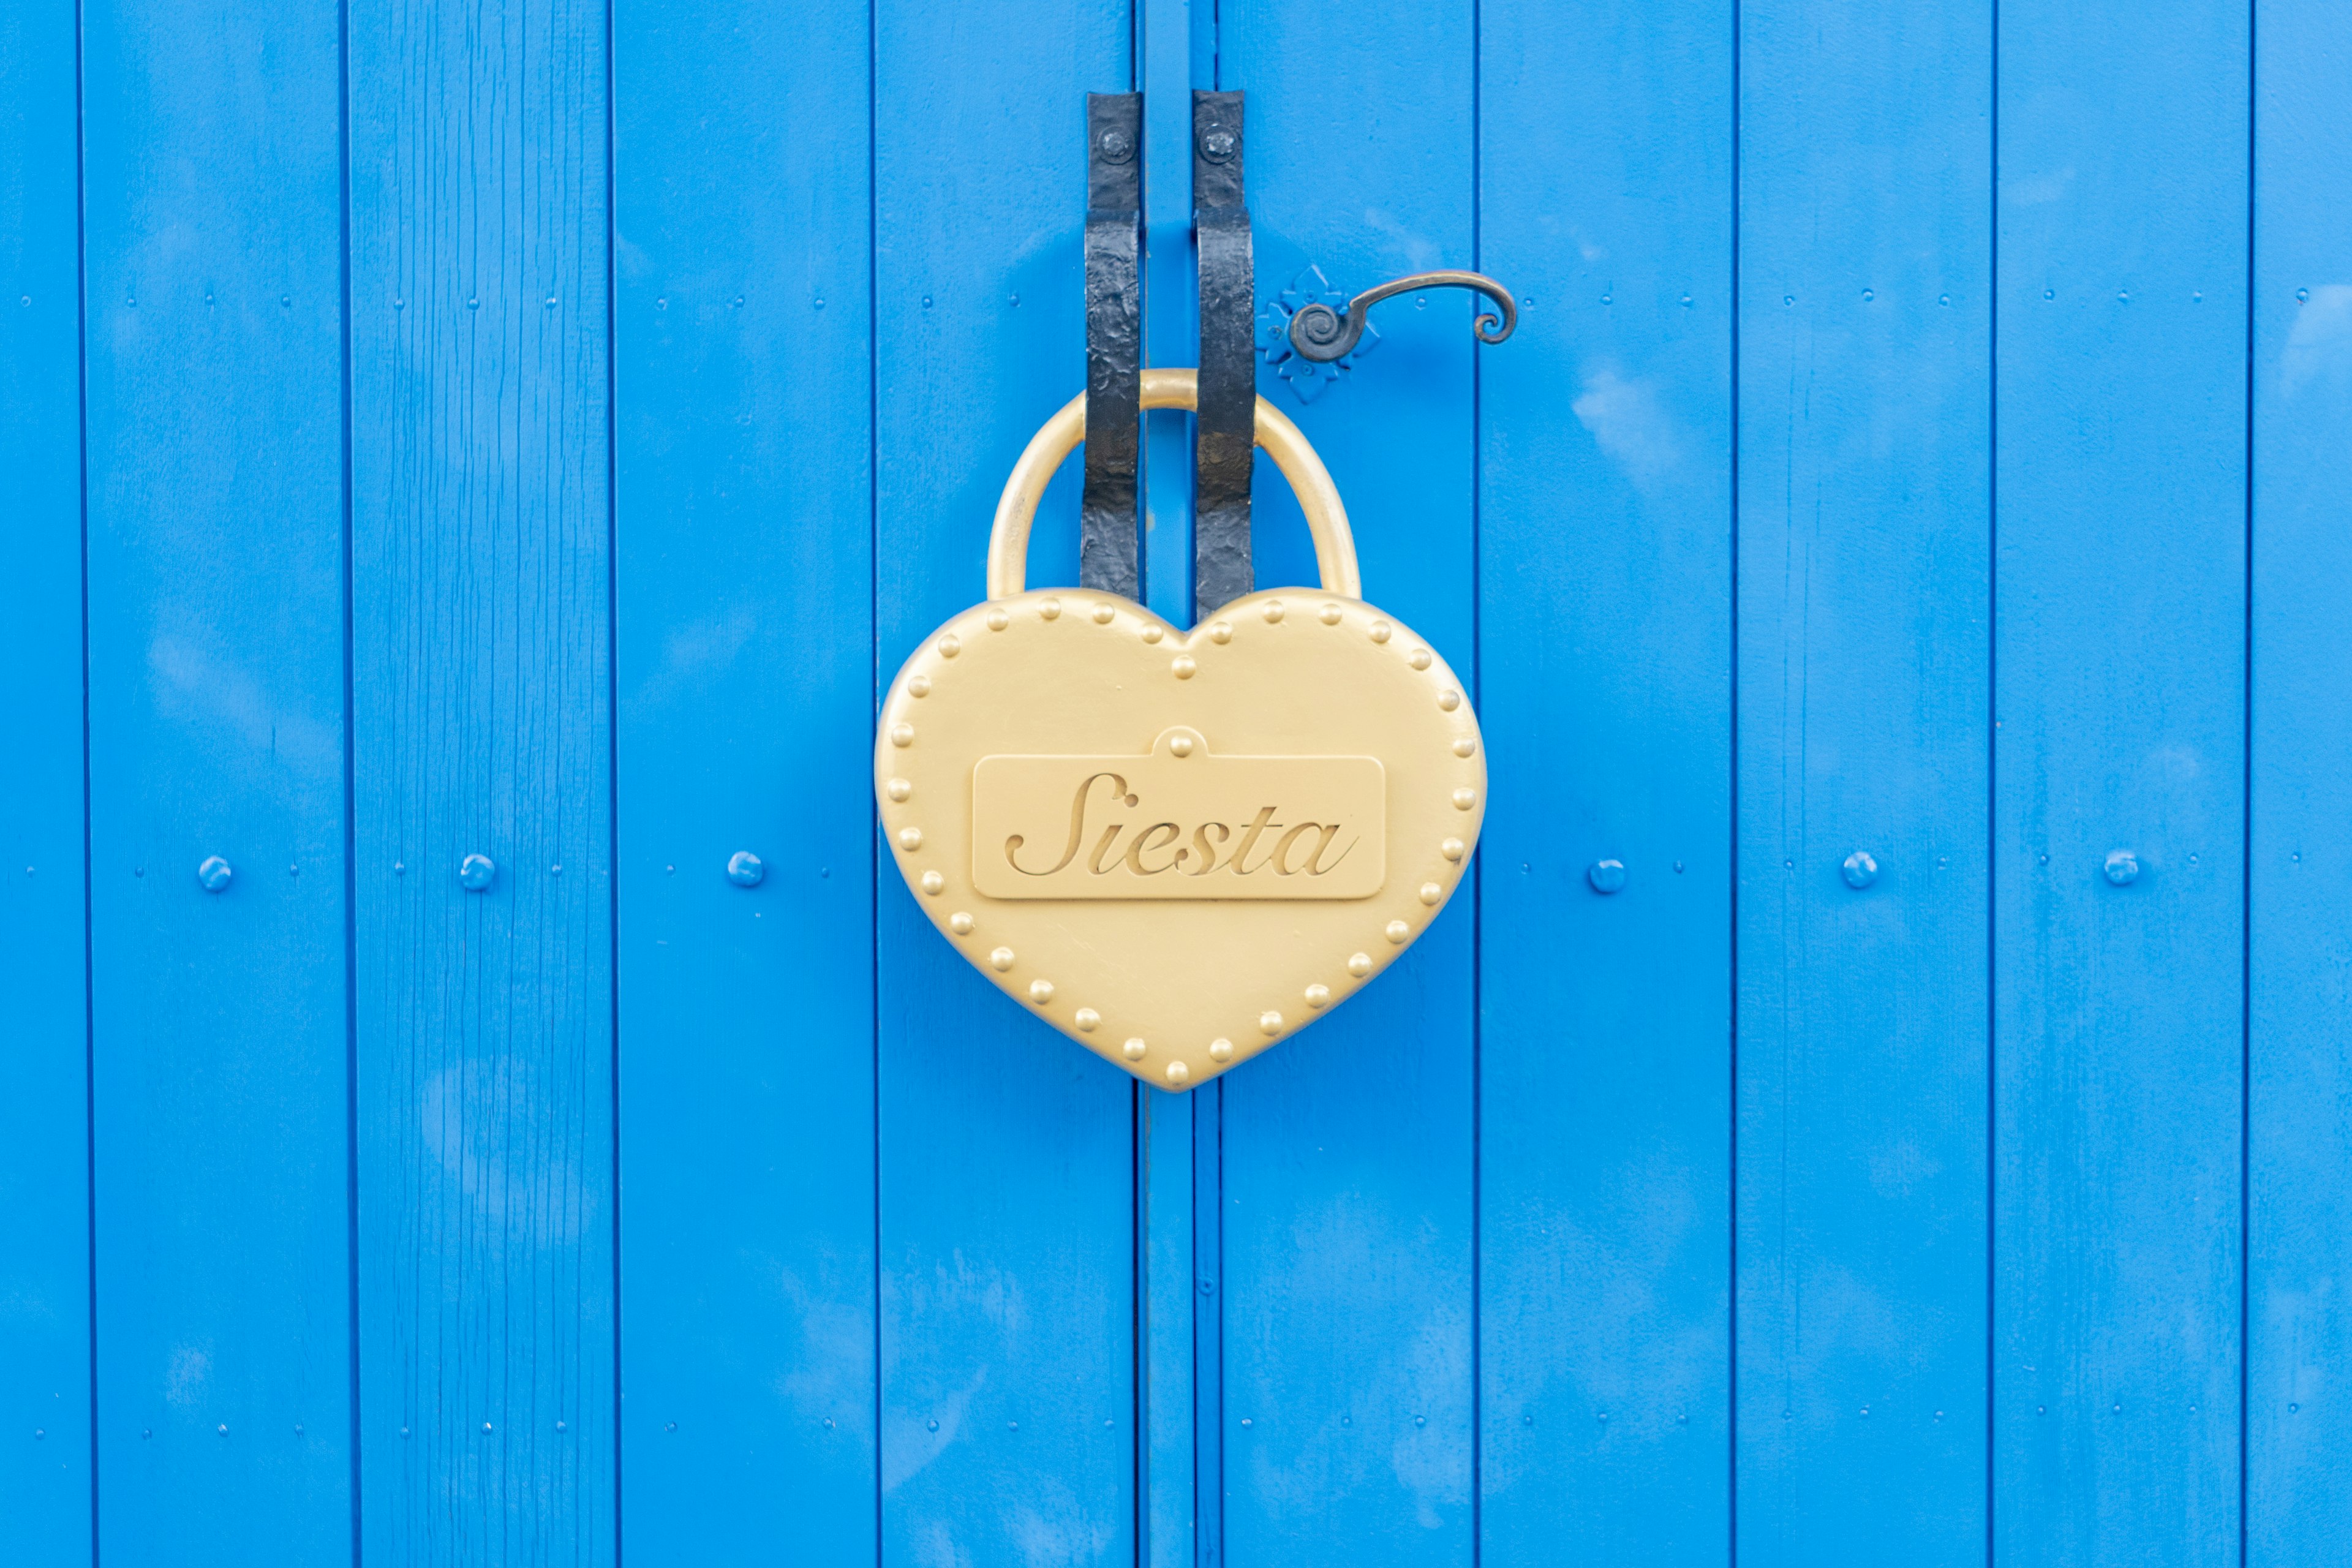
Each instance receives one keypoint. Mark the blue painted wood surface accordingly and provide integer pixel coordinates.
(214, 625)
(45, 1382)
(537, 431)
(1605, 624)
(481, 713)
(1865, 645)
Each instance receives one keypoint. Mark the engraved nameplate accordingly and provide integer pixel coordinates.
(1180, 823)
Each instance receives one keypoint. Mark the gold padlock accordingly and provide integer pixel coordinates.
(1179, 847)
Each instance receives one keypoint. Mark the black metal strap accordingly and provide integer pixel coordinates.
(1107, 534)
(1227, 426)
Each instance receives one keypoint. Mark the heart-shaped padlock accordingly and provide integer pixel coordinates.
(1179, 847)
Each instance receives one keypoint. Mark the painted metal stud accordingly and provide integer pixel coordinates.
(1382, 631)
(934, 884)
(1001, 959)
(1360, 964)
(959, 923)
(1269, 1022)
(1606, 876)
(1178, 1072)
(1220, 1050)
(1087, 1019)
(1318, 995)
(918, 686)
(1860, 870)
(1134, 1050)
(212, 875)
(1273, 612)
(475, 871)
(2122, 868)
(744, 869)
(1397, 932)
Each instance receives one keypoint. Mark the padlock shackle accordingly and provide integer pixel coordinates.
(1318, 498)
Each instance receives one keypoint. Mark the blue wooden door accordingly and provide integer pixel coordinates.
(466, 473)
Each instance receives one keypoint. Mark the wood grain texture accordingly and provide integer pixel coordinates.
(745, 676)
(1604, 534)
(213, 213)
(1864, 685)
(480, 666)
(44, 1370)
(1348, 1302)
(2299, 1222)
(1006, 1154)
(2120, 694)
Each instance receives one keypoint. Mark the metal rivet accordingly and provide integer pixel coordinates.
(1182, 745)
(2302, 294)
(1184, 666)
(932, 1426)
(1272, 611)
(1452, 849)
(1464, 746)
(486, 1426)
(910, 839)
(212, 875)
(1423, 1420)
(224, 1429)
(1001, 960)
(1220, 1050)
(898, 789)
(475, 871)
(474, 304)
(671, 1427)
(1219, 146)
(1360, 964)
(1178, 1072)
(39, 1433)
(2122, 867)
(744, 869)
(1447, 701)
(1464, 799)
(1860, 870)
(1103, 613)
(1049, 609)
(1154, 632)
(951, 646)
(1269, 1022)
(1397, 932)
(1382, 631)
(1116, 146)
(1329, 615)
(1222, 633)
(959, 923)
(556, 870)
(918, 685)
(561, 1427)
(933, 883)
(902, 734)
(1134, 1050)
(1606, 876)
(1041, 992)
(1318, 995)
(1431, 893)
(1418, 658)
(1087, 1019)
(1245, 1420)
(998, 620)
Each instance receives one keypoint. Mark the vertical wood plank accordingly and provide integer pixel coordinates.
(45, 1401)
(1605, 657)
(1172, 1312)
(213, 193)
(1864, 590)
(2299, 1235)
(2120, 637)
(482, 726)
(1007, 1160)
(745, 681)
(1349, 1321)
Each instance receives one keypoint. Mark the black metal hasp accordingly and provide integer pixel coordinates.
(1320, 333)
(1226, 430)
(1107, 535)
